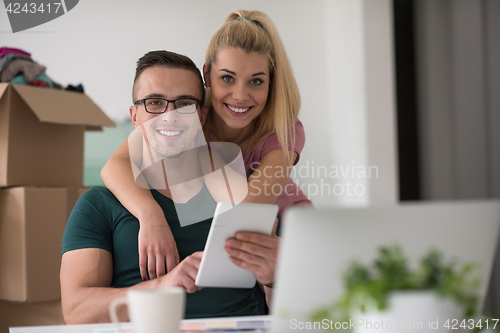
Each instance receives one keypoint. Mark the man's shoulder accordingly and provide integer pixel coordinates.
(98, 193)
(100, 199)
(98, 190)
(97, 199)
(90, 223)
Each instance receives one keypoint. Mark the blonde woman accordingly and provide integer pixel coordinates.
(253, 101)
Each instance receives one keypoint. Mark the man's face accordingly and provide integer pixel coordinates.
(169, 134)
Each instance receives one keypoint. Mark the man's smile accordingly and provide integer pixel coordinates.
(169, 133)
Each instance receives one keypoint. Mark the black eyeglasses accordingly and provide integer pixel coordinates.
(160, 105)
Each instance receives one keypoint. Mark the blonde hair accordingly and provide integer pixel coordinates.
(253, 31)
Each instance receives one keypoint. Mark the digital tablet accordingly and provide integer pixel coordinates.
(216, 269)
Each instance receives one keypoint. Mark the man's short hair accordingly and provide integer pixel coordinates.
(166, 59)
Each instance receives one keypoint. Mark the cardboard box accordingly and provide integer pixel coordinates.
(32, 222)
(41, 135)
(29, 314)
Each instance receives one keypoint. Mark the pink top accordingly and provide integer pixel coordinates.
(292, 194)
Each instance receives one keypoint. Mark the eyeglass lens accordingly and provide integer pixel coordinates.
(157, 105)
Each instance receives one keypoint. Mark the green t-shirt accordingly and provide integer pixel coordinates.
(99, 221)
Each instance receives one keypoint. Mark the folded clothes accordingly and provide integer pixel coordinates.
(29, 69)
(39, 83)
(57, 85)
(4, 50)
(19, 79)
(78, 88)
(7, 59)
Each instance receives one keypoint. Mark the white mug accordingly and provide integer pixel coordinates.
(153, 311)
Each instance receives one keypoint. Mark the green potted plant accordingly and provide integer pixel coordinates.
(434, 296)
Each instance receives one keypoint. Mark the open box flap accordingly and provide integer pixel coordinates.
(62, 107)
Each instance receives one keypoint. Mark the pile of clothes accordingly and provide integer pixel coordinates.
(17, 66)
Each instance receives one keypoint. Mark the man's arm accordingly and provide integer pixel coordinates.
(85, 286)
(86, 279)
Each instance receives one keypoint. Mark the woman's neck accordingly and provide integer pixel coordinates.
(223, 133)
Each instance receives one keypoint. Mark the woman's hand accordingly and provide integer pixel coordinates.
(256, 253)
(157, 249)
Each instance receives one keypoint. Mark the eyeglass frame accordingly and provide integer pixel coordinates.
(143, 101)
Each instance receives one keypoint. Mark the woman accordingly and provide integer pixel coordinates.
(253, 102)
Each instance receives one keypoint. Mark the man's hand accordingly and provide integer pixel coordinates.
(157, 249)
(184, 275)
(256, 253)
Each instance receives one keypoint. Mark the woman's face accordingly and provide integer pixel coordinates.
(239, 82)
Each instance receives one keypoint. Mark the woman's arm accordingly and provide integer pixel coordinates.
(264, 186)
(157, 249)
(269, 179)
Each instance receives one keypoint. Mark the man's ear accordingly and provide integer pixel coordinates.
(203, 115)
(206, 76)
(133, 116)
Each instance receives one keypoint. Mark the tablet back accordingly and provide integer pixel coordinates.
(216, 269)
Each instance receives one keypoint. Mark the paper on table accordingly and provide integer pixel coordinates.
(126, 328)
(211, 325)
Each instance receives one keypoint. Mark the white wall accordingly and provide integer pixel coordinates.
(341, 52)
(360, 111)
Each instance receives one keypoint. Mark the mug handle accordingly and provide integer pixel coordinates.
(112, 308)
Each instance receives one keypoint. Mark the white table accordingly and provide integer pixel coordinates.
(94, 328)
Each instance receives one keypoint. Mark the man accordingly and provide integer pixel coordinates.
(100, 259)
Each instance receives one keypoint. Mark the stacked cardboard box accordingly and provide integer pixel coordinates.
(41, 176)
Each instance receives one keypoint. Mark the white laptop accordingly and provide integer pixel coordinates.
(319, 244)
